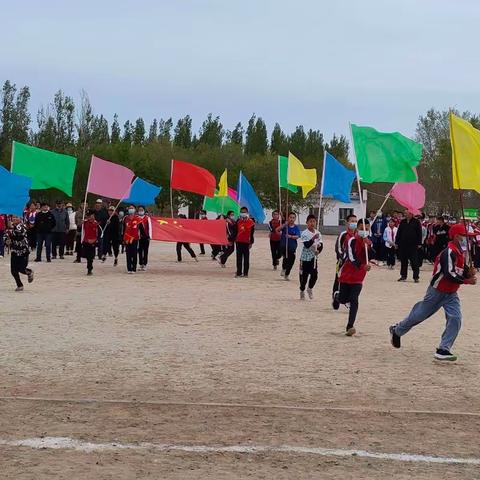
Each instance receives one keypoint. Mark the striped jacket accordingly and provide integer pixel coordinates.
(354, 261)
(449, 270)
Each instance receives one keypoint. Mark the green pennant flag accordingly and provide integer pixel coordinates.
(220, 205)
(46, 169)
(282, 174)
(385, 157)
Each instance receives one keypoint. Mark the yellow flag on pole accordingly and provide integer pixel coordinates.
(300, 176)
(465, 141)
(223, 185)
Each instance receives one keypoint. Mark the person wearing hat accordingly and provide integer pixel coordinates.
(59, 231)
(72, 230)
(449, 272)
(89, 239)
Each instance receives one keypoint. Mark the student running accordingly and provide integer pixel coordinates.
(312, 246)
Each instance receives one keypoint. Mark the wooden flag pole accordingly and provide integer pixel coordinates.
(85, 199)
(321, 189)
(171, 191)
(279, 187)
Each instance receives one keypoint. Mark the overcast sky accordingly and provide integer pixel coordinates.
(313, 62)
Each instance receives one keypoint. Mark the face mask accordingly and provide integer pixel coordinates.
(203, 216)
(131, 211)
(231, 217)
(141, 213)
(463, 244)
(363, 233)
(244, 215)
(379, 215)
(69, 210)
(352, 226)
(121, 214)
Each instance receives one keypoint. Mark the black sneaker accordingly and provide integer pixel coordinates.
(89, 272)
(37, 260)
(49, 261)
(76, 261)
(445, 355)
(402, 279)
(394, 338)
(335, 302)
(30, 276)
(416, 280)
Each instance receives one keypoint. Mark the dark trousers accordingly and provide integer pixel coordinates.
(78, 245)
(88, 250)
(143, 245)
(216, 249)
(110, 244)
(409, 255)
(378, 247)
(32, 238)
(336, 283)
(349, 293)
(18, 264)
(202, 249)
(390, 256)
(243, 259)
(131, 250)
(308, 269)
(187, 247)
(229, 249)
(70, 240)
(275, 251)
(41, 239)
(58, 240)
(2, 243)
(288, 261)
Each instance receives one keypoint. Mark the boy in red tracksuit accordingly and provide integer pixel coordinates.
(244, 242)
(449, 272)
(131, 235)
(144, 241)
(89, 239)
(273, 225)
(352, 273)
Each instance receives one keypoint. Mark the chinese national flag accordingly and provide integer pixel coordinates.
(192, 178)
(184, 230)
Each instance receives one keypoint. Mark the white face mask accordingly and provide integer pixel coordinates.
(141, 213)
(131, 211)
(363, 233)
(352, 226)
(244, 215)
(69, 210)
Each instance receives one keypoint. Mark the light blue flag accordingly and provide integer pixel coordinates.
(14, 192)
(248, 198)
(337, 179)
(142, 193)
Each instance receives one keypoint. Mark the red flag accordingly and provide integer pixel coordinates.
(189, 231)
(191, 178)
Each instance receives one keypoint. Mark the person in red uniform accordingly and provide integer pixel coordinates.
(275, 237)
(449, 272)
(352, 273)
(244, 242)
(89, 239)
(131, 235)
(144, 241)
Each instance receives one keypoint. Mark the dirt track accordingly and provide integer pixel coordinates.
(191, 333)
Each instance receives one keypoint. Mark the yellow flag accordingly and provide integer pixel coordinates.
(465, 154)
(300, 176)
(223, 185)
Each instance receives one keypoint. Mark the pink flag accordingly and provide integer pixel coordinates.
(409, 195)
(232, 193)
(109, 179)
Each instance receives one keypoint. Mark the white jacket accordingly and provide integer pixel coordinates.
(71, 218)
(389, 236)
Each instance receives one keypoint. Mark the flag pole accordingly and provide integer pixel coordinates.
(321, 188)
(171, 191)
(85, 199)
(12, 156)
(279, 187)
(286, 213)
(360, 196)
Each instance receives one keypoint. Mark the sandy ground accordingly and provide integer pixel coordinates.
(184, 354)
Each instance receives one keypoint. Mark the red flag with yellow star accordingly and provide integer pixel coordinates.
(185, 230)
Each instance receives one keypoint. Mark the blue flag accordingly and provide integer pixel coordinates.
(14, 192)
(337, 179)
(248, 198)
(142, 193)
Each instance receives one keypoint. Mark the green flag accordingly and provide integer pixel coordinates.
(385, 157)
(221, 204)
(282, 174)
(46, 169)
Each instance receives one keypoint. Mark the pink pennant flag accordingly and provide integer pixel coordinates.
(109, 179)
(409, 195)
(232, 193)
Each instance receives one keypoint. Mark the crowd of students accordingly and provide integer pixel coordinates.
(380, 240)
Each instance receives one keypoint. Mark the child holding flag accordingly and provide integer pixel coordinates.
(290, 235)
(340, 245)
(312, 246)
(275, 237)
(449, 272)
(352, 273)
(90, 231)
(131, 235)
(244, 242)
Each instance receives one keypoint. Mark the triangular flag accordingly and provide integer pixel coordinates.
(299, 175)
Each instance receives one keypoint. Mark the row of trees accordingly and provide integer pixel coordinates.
(65, 127)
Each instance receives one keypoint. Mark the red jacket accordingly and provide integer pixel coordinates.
(245, 229)
(353, 268)
(131, 232)
(90, 230)
(449, 270)
(145, 226)
(2, 223)
(273, 225)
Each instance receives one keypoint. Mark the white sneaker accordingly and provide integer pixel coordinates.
(310, 293)
(282, 274)
(287, 278)
(302, 295)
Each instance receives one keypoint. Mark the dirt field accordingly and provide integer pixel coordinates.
(139, 369)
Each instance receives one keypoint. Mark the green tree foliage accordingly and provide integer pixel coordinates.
(139, 132)
(115, 136)
(256, 141)
(183, 133)
(297, 142)
(153, 131)
(165, 131)
(279, 141)
(211, 132)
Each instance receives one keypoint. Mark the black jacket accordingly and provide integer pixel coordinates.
(44, 222)
(409, 234)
